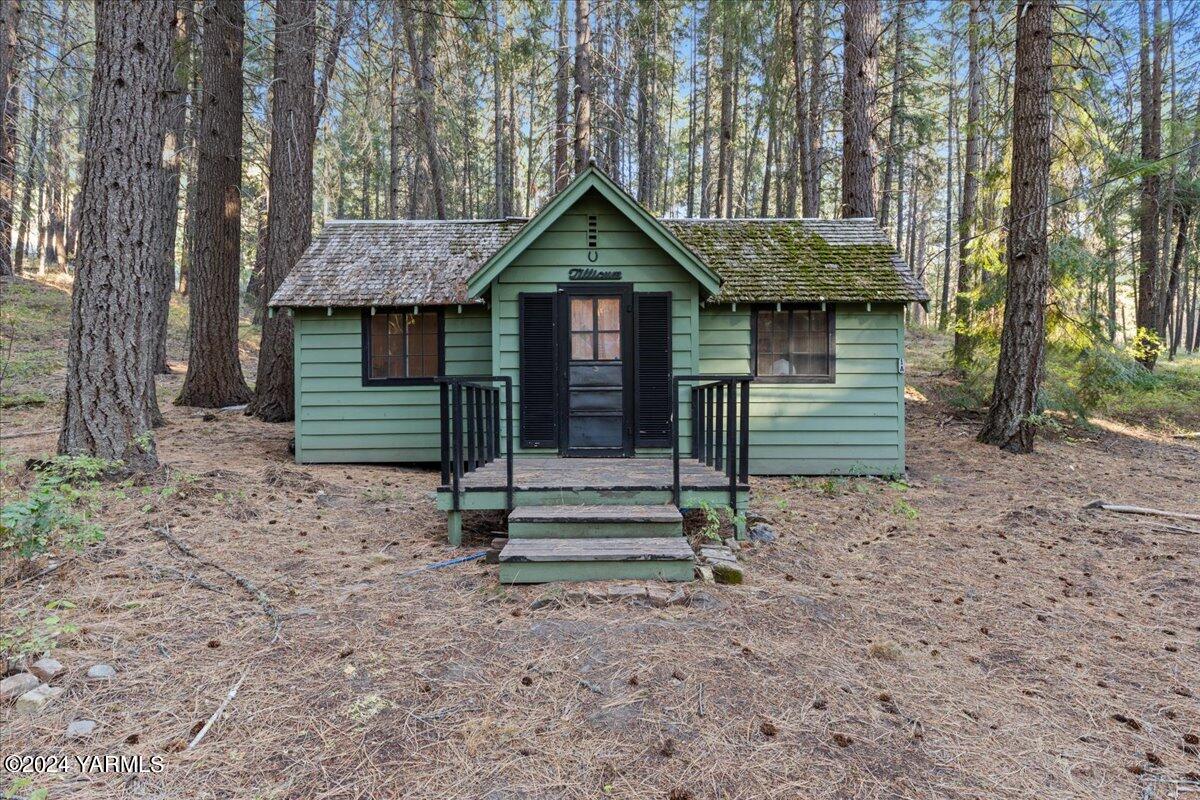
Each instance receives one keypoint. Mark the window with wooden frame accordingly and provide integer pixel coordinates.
(402, 347)
(794, 343)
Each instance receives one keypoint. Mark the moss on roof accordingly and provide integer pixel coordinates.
(763, 260)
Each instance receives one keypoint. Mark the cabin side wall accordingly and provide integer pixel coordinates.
(621, 246)
(854, 426)
(338, 420)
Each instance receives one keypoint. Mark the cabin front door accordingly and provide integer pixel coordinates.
(595, 370)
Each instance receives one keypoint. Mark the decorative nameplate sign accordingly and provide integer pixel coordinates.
(590, 274)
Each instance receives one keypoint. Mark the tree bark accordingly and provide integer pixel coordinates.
(951, 157)
(964, 344)
(706, 117)
(1150, 90)
(889, 161)
(172, 159)
(10, 104)
(583, 85)
(811, 198)
(289, 216)
(425, 83)
(725, 123)
(1023, 338)
(803, 139)
(110, 379)
(341, 21)
(214, 374)
(860, 83)
(27, 184)
(562, 80)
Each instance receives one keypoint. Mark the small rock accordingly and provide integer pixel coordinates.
(703, 599)
(549, 600)
(717, 554)
(587, 594)
(727, 572)
(35, 699)
(733, 544)
(704, 573)
(47, 669)
(626, 592)
(658, 597)
(101, 672)
(678, 597)
(14, 686)
(762, 532)
(81, 728)
(304, 611)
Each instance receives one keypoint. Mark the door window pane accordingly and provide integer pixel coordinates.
(609, 313)
(582, 309)
(581, 347)
(610, 347)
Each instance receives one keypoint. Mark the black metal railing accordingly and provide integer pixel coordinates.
(720, 428)
(471, 433)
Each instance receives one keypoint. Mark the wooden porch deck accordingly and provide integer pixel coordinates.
(613, 474)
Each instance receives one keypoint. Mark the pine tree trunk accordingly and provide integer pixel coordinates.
(860, 82)
(176, 121)
(964, 345)
(425, 83)
(811, 186)
(110, 378)
(1023, 338)
(1151, 149)
(583, 85)
(214, 375)
(894, 117)
(725, 124)
(948, 223)
(706, 124)
(803, 139)
(394, 158)
(289, 217)
(562, 144)
(10, 104)
(27, 184)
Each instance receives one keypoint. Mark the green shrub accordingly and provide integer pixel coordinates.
(32, 635)
(48, 517)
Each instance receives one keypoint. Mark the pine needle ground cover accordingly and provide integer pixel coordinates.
(968, 632)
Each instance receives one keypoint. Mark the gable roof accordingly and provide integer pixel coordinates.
(807, 260)
(434, 262)
(393, 262)
(592, 178)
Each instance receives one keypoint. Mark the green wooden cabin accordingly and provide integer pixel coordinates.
(590, 308)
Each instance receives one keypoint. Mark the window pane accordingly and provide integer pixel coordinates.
(395, 324)
(581, 347)
(609, 310)
(379, 367)
(581, 313)
(422, 345)
(610, 347)
(379, 335)
(779, 334)
(425, 324)
(396, 367)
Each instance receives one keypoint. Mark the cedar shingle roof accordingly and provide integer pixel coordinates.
(392, 262)
(413, 262)
(774, 260)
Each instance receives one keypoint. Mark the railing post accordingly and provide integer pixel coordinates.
(456, 437)
(444, 403)
(718, 461)
(496, 423)
(675, 493)
(469, 410)
(708, 425)
(730, 446)
(744, 432)
(508, 440)
(480, 428)
(695, 422)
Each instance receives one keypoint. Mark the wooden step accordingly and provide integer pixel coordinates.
(594, 522)
(645, 558)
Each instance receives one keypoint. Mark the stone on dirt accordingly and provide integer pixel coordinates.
(36, 699)
(101, 672)
(550, 599)
(658, 597)
(47, 668)
(704, 573)
(623, 591)
(81, 728)
(14, 686)
(727, 572)
(762, 532)
(678, 597)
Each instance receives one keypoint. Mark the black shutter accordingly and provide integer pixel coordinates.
(652, 368)
(539, 411)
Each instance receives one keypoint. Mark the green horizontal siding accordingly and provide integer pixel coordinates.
(854, 425)
(340, 420)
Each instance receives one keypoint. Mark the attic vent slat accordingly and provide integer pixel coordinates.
(591, 232)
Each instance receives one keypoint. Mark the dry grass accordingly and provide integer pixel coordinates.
(1044, 651)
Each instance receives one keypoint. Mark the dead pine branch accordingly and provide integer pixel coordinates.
(1152, 512)
(268, 607)
(23, 434)
(216, 714)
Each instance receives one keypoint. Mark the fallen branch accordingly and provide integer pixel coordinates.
(1195, 435)
(1174, 528)
(19, 581)
(23, 434)
(1153, 512)
(258, 594)
(216, 714)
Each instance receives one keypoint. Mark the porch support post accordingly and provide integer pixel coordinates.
(739, 527)
(454, 527)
